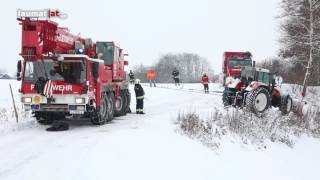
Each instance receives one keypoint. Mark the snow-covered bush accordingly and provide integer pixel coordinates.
(208, 132)
(249, 128)
(8, 121)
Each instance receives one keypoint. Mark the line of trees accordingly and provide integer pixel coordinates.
(190, 66)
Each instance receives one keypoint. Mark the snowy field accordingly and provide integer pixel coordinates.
(143, 147)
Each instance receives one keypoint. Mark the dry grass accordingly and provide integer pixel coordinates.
(250, 129)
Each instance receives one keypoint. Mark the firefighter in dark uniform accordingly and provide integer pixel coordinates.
(139, 96)
(175, 74)
(131, 76)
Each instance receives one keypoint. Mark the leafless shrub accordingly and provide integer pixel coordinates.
(249, 128)
(8, 121)
(3, 114)
(207, 132)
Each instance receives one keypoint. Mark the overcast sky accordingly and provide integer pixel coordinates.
(148, 28)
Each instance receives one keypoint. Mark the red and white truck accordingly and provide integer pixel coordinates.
(232, 63)
(66, 76)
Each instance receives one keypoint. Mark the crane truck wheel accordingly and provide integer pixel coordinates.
(44, 118)
(128, 96)
(110, 106)
(286, 104)
(101, 112)
(120, 104)
(258, 100)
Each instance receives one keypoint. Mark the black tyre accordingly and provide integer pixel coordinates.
(286, 104)
(100, 117)
(44, 118)
(128, 96)
(225, 99)
(258, 100)
(120, 104)
(110, 106)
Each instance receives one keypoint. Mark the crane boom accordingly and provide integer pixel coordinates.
(44, 37)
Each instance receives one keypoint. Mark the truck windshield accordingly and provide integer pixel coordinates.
(68, 71)
(237, 63)
(105, 49)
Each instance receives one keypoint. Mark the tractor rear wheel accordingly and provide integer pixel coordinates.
(120, 104)
(286, 104)
(258, 100)
(101, 112)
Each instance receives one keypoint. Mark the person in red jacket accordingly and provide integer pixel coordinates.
(205, 82)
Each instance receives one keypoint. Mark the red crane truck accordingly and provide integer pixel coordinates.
(232, 63)
(66, 76)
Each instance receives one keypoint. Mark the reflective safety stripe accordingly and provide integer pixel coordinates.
(139, 110)
(140, 97)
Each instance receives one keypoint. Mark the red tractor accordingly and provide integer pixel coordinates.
(67, 76)
(255, 89)
(232, 63)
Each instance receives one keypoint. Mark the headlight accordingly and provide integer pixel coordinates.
(37, 99)
(80, 100)
(26, 100)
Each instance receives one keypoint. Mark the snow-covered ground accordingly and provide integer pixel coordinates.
(139, 147)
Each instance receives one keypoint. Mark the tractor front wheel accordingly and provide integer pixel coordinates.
(258, 100)
(225, 99)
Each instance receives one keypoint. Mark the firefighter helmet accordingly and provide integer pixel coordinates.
(137, 81)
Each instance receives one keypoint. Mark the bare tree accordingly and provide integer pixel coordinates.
(301, 37)
(313, 41)
(283, 68)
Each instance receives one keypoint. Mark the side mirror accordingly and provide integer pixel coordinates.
(273, 82)
(19, 68)
(253, 63)
(126, 63)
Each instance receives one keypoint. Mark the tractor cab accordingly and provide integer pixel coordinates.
(254, 74)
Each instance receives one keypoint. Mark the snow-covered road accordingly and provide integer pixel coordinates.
(139, 147)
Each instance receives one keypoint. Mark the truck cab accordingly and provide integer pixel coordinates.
(65, 75)
(64, 87)
(113, 57)
(232, 63)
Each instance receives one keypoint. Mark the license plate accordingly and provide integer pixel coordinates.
(76, 112)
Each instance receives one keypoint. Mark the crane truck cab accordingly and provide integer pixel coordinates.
(66, 76)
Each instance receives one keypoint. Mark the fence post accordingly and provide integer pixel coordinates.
(14, 104)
